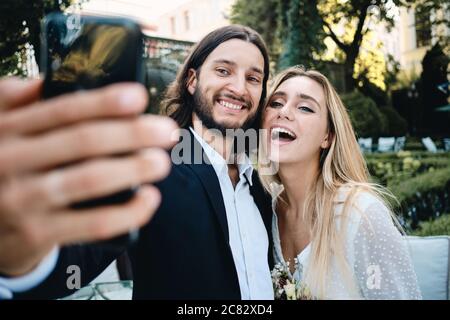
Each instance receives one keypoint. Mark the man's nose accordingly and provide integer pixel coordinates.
(238, 86)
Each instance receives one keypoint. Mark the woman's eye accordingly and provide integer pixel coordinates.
(275, 104)
(306, 109)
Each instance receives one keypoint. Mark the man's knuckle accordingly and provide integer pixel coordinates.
(5, 125)
(141, 168)
(87, 181)
(108, 99)
(61, 114)
(99, 227)
(86, 139)
(138, 131)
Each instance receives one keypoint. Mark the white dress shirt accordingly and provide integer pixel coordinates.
(249, 241)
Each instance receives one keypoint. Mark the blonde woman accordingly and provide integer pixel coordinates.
(331, 227)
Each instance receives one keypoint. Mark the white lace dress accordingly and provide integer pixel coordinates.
(376, 252)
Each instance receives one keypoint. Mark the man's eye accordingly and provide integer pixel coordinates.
(223, 71)
(254, 79)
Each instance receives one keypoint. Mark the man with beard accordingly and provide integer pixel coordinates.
(210, 237)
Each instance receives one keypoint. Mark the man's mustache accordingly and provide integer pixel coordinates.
(247, 103)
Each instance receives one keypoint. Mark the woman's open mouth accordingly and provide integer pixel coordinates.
(281, 135)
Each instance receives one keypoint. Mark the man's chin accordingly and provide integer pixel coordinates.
(230, 125)
(233, 124)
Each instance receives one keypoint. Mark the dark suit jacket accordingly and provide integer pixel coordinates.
(183, 253)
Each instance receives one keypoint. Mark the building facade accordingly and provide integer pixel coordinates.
(193, 19)
(416, 37)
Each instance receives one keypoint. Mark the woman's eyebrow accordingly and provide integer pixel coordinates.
(308, 97)
(303, 96)
(281, 94)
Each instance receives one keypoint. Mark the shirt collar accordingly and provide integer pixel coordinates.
(219, 164)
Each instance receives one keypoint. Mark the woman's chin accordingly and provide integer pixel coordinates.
(279, 158)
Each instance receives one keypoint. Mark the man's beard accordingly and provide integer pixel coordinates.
(204, 112)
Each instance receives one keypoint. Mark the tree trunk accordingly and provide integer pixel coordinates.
(349, 64)
(352, 51)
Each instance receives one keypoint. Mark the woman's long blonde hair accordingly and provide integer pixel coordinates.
(342, 164)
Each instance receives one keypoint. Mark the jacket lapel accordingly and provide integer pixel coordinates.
(209, 180)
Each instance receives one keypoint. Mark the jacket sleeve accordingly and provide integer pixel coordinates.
(85, 261)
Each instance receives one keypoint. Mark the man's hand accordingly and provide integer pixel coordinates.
(57, 152)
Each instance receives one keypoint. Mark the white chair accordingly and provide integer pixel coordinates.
(430, 257)
(365, 144)
(429, 145)
(386, 144)
(447, 144)
(399, 144)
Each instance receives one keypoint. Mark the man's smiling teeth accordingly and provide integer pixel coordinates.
(276, 132)
(230, 105)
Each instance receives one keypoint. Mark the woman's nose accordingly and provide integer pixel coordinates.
(285, 112)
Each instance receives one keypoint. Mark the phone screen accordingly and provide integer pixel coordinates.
(85, 52)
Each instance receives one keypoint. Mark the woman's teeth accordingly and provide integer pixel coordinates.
(282, 133)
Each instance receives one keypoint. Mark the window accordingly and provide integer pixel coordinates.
(187, 23)
(173, 26)
(423, 30)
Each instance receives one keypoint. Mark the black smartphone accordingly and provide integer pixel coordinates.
(87, 52)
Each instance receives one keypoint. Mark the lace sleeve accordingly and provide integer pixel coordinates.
(382, 261)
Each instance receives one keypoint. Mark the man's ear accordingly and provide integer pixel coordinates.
(192, 81)
(326, 143)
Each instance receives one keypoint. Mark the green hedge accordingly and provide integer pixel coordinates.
(415, 154)
(419, 180)
(439, 226)
(430, 181)
(395, 168)
(424, 197)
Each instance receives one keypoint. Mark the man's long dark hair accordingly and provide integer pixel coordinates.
(178, 102)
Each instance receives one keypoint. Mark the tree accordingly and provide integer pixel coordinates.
(434, 65)
(367, 119)
(20, 26)
(304, 35)
(265, 16)
(291, 29)
(352, 16)
(356, 13)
